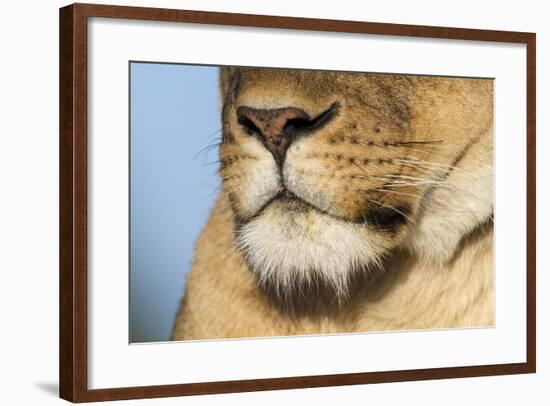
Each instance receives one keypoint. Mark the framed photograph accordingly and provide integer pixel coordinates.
(254, 202)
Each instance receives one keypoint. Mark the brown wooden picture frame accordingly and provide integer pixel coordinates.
(73, 362)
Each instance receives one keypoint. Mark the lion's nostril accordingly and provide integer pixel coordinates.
(277, 128)
(305, 126)
(248, 125)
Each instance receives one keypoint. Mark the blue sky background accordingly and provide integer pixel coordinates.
(174, 114)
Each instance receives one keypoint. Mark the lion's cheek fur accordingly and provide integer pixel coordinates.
(449, 214)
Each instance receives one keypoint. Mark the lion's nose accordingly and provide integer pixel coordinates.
(276, 128)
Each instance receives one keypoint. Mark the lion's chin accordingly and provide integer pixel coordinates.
(291, 245)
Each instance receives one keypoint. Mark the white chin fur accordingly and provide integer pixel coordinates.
(289, 248)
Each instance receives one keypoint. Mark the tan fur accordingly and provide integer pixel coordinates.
(422, 143)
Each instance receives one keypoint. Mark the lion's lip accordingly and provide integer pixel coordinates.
(285, 198)
(286, 195)
(292, 201)
(288, 200)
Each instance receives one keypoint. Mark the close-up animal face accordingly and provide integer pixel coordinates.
(329, 173)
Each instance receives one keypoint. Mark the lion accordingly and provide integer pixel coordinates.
(350, 202)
